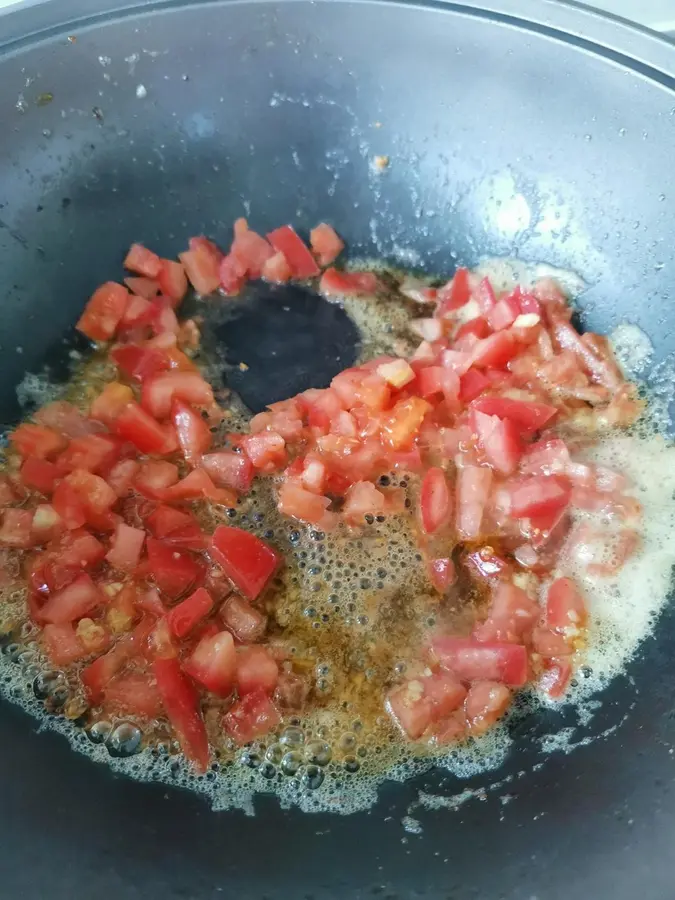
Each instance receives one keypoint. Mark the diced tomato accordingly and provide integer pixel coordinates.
(146, 288)
(126, 549)
(69, 505)
(486, 563)
(144, 432)
(176, 528)
(401, 426)
(232, 274)
(256, 670)
(111, 402)
(39, 475)
(62, 644)
(471, 385)
(410, 708)
(277, 269)
(296, 502)
(442, 573)
(565, 606)
(335, 283)
(93, 492)
(202, 263)
(91, 453)
(472, 492)
(142, 261)
(46, 523)
(363, 499)
(456, 293)
(183, 617)
(251, 717)
(504, 313)
(549, 643)
(7, 493)
(245, 559)
(445, 692)
(470, 660)
(548, 456)
(555, 677)
(73, 602)
(245, 622)
(175, 571)
(229, 469)
(96, 676)
(36, 440)
(478, 327)
(252, 251)
(301, 261)
(313, 475)
(486, 702)
(193, 433)
(494, 352)
(137, 314)
(160, 391)
(513, 614)
(16, 530)
(133, 694)
(66, 419)
(181, 703)
(195, 486)
(213, 663)
(172, 280)
(122, 476)
(266, 450)
(529, 417)
(500, 441)
(79, 548)
(435, 501)
(140, 362)
(538, 495)
(291, 692)
(104, 312)
(154, 477)
(150, 602)
(326, 244)
(485, 297)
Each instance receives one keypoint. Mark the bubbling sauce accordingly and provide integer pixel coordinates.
(352, 613)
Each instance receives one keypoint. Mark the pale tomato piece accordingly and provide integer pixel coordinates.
(442, 573)
(266, 450)
(245, 622)
(202, 265)
(555, 677)
(435, 501)
(537, 496)
(257, 670)
(73, 602)
(193, 433)
(276, 269)
(565, 606)
(298, 503)
(142, 261)
(160, 391)
(486, 702)
(472, 492)
(335, 283)
(512, 615)
(36, 440)
(104, 311)
(62, 644)
(133, 694)
(325, 243)
(471, 660)
(251, 717)
(550, 643)
(213, 663)
(229, 469)
(500, 441)
(363, 499)
(528, 416)
(402, 424)
(126, 549)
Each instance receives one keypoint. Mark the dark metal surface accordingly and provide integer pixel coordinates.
(542, 131)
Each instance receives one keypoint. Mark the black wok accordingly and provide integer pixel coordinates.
(476, 102)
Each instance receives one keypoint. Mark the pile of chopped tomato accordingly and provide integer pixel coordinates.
(122, 579)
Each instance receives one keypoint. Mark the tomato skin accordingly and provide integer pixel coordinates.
(104, 311)
(245, 622)
(435, 501)
(229, 469)
(39, 475)
(126, 549)
(565, 606)
(251, 717)
(73, 602)
(181, 703)
(471, 660)
(144, 432)
(36, 440)
(286, 241)
(246, 560)
(325, 243)
(142, 261)
(193, 433)
(183, 617)
(529, 417)
(174, 571)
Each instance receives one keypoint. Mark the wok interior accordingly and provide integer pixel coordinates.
(501, 141)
